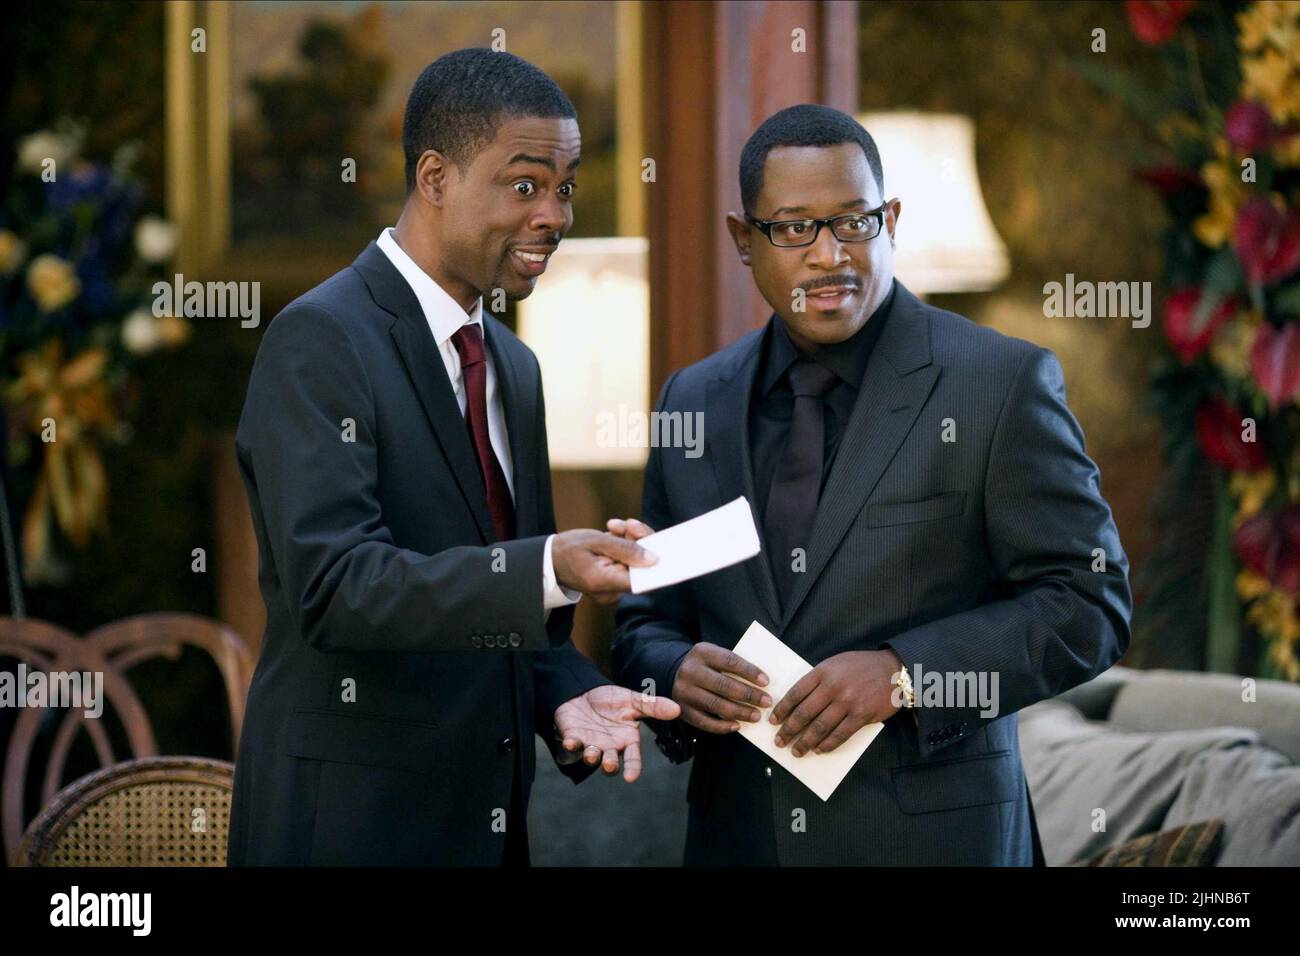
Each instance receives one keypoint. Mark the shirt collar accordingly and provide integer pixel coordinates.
(441, 311)
(847, 359)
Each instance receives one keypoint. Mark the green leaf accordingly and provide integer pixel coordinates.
(1287, 299)
(1204, 309)
(1223, 647)
(1224, 274)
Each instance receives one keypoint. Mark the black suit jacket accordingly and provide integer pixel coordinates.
(407, 659)
(971, 555)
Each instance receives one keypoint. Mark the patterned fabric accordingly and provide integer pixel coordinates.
(1196, 844)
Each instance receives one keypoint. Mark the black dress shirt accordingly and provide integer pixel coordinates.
(772, 401)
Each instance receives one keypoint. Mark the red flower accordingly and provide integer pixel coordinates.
(1269, 544)
(1155, 21)
(1267, 241)
(1249, 127)
(1180, 314)
(1170, 180)
(1275, 361)
(1218, 432)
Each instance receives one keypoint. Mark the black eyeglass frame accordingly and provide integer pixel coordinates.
(765, 226)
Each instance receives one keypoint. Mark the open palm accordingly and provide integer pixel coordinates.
(606, 722)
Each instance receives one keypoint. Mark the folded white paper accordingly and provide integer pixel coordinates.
(712, 541)
(820, 773)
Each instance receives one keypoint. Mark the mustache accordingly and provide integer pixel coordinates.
(837, 281)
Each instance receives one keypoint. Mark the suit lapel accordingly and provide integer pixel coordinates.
(728, 421)
(897, 382)
(425, 368)
(517, 392)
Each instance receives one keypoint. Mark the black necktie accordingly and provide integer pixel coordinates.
(797, 478)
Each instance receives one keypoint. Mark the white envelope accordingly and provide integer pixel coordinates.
(820, 773)
(712, 541)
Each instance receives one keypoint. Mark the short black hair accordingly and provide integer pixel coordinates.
(459, 100)
(805, 125)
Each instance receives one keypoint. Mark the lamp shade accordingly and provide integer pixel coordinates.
(946, 241)
(588, 322)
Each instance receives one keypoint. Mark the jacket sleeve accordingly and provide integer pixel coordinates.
(562, 673)
(1064, 604)
(656, 630)
(306, 445)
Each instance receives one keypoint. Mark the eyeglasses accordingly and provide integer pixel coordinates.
(853, 227)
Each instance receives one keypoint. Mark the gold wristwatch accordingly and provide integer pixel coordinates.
(903, 681)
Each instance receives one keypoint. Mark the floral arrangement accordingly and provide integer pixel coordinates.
(77, 260)
(1227, 383)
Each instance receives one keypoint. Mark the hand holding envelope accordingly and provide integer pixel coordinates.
(596, 563)
(607, 564)
(831, 713)
(848, 714)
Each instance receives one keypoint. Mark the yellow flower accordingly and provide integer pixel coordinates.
(1274, 614)
(1230, 349)
(1268, 21)
(12, 252)
(1251, 491)
(1227, 194)
(1251, 585)
(52, 282)
(1287, 152)
(1270, 79)
(1253, 24)
(1283, 655)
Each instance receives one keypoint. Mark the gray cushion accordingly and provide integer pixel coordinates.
(1256, 791)
(1094, 698)
(1076, 766)
(1181, 700)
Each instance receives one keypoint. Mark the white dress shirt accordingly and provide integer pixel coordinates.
(445, 318)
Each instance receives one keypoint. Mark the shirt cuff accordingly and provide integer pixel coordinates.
(554, 594)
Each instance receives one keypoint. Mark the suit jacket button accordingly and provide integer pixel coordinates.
(506, 745)
(767, 771)
(476, 640)
(501, 641)
(515, 639)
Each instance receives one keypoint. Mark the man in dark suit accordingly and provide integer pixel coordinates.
(926, 508)
(393, 447)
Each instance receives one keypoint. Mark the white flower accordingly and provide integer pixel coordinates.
(52, 282)
(155, 239)
(33, 150)
(140, 332)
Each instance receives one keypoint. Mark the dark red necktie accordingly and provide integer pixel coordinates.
(473, 366)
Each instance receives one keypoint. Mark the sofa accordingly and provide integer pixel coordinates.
(1132, 753)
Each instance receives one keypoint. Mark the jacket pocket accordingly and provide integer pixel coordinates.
(361, 739)
(964, 782)
(925, 509)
